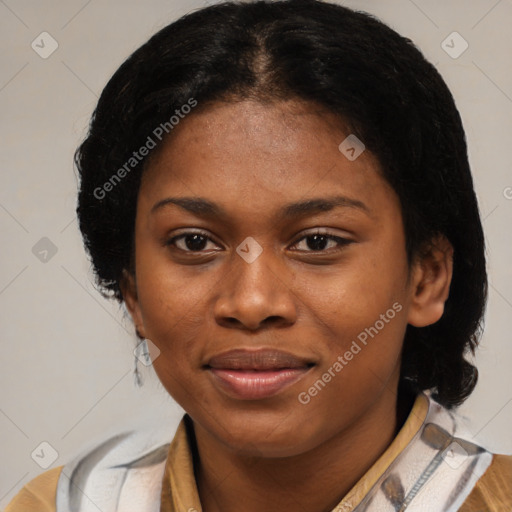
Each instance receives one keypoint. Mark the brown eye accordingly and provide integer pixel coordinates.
(320, 242)
(191, 242)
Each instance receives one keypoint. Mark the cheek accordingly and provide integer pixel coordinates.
(172, 308)
(173, 320)
(362, 329)
(361, 310)
(356, 294)
(366, 332)
(166, 292)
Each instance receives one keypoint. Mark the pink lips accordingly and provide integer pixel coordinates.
(256, 374)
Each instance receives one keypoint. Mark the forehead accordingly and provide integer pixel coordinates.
(266, 152)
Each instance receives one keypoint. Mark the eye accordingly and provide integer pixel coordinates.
(192, 242)
(320, 242)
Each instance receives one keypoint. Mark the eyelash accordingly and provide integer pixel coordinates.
(342, 242)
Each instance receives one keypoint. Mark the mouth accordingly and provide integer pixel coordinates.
(256, 374)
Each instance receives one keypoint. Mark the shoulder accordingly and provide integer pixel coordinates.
(38, 495)
(493, 491)
(100, 471)
(125, 468)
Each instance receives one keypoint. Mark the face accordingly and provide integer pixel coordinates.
(271, 273)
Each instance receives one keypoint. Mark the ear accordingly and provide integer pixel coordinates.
(430, 282)
(128, 287)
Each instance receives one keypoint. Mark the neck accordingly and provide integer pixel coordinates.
(316, 480)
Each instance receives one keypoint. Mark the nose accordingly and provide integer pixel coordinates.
(255, 295)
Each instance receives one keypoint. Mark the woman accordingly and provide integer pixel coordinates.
(280, 194)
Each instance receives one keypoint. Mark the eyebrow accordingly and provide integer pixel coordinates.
(205, 208)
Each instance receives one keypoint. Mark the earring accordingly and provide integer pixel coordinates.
(141, 351)
(136, 374)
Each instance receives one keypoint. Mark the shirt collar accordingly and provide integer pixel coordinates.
(179, 489)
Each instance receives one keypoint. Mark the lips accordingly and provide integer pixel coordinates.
(242, 359)
(256, 374)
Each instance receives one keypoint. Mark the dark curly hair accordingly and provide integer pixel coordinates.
(376, 81)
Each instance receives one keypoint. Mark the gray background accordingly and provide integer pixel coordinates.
(66, 365)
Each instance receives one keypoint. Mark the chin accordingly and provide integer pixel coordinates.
(265, 447)
(266, 434)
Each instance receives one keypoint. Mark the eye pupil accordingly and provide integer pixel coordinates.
(317, 242)
(195, 242)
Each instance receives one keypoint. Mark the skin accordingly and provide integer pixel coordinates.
(252, 159)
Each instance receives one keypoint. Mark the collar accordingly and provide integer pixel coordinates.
(179, 489)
